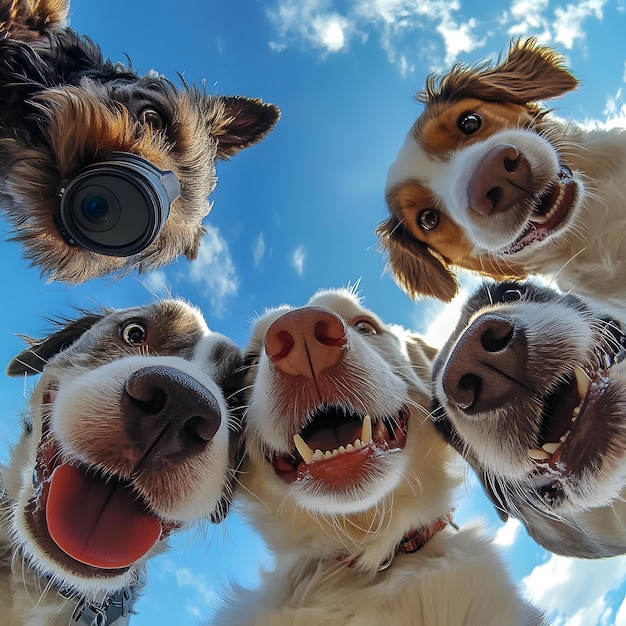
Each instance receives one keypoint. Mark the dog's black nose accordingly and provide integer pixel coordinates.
(169, 414)
(487, 366)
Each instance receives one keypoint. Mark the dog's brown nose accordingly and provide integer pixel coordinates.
(306, 341)
(487, 366)
(169, 414)
(500, 180)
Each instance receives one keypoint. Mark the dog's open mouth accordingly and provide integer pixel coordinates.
(339, 448)
(94, 524)
(552, 207)
(575, 430)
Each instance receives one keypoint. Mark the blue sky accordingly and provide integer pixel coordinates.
(298, 211)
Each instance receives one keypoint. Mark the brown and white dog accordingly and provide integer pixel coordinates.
(349, 483)
(531, 389)
(129, 436)
(488, 180)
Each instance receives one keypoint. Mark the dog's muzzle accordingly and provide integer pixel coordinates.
(116, 207)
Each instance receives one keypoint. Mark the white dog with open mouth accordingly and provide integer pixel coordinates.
(129, 436)
(349, 483)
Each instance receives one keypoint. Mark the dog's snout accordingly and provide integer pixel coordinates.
(306, 341)
(487, 366)
(168, 413)
(501, 179)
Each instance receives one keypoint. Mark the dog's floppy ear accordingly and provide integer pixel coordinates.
(40, 351)
(242, 123)
(529, 73)
(415, 267)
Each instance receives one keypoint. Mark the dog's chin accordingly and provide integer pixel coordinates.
(367, 463)
(550, 215)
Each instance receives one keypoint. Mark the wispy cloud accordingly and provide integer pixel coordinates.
(157, 283)
(401, 26)
(214, 272)
(258, 252)
(574, 591)
(564, 25)
(204, 594)
(297, 259)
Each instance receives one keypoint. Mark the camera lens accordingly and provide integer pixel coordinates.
(117, 207)
(95, 209)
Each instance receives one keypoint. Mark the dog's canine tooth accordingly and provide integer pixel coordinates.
(538, 455)
(582, 381)
(366, 431)
(302, 447)
(551, 448)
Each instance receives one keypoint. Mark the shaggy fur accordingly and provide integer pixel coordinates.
(128, 434)
(63, 107)
(488, 180)
(531, 390)
(361, 528)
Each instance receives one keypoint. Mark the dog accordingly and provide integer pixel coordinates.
(489, 181)
(130, 435)
(349, 483)
(103, 170)
(530, 388)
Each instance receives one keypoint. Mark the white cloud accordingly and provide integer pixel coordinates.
(402, 26)
(568, 21)
(259, 250)
(309, 22)
(527, 16)
(156, 282)
(213, 271)
(203, 591)
(297, 259)
(573, 590)
(508, 533)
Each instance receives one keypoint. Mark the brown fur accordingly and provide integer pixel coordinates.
(54, 125)
(505, 95)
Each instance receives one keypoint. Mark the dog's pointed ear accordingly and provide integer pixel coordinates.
(40, 351)
(242, 123)
(414, 266)
(530, 72)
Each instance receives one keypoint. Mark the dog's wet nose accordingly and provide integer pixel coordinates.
(306, 341)
(501, 179)
(169, 414)
(487, 366)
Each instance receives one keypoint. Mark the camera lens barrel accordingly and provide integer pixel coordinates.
(117, 207)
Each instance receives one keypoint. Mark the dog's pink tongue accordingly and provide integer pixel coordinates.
(96, 522)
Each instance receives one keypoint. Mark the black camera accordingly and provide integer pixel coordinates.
(116, 207)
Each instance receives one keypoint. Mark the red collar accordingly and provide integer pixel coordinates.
(412, 541)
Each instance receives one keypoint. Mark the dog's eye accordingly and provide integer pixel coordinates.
(512, 295)
(366, 327)
(428, 219)
(133, 333)
(150, 117)
(469, 123)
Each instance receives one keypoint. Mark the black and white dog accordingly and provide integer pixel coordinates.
(531, 389)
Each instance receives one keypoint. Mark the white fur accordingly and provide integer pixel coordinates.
(456, 579)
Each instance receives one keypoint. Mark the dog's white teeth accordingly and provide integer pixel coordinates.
(538, 455)
(565, 436)
(366, 431)
(551, 448)
(318, 455)
(301, 446)
(582, 381)
(542, 219)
